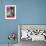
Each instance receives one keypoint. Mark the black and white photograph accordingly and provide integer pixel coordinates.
(31, 34)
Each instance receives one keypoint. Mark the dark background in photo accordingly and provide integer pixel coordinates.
(10, 11)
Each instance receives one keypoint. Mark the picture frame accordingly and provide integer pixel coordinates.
(10, 11)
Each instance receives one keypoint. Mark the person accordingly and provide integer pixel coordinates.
(10, 11)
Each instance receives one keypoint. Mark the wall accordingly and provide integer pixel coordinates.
(6, 26)
(31, 11)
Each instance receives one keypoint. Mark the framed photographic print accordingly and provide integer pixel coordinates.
(10, 11)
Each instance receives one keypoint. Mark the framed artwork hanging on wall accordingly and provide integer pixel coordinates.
(10, 11)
